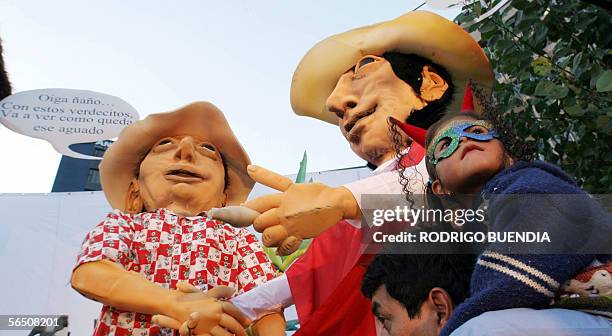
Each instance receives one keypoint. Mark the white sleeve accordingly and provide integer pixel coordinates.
(388, 183)
(270, 297)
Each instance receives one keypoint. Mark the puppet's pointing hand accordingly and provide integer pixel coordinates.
(299, 211)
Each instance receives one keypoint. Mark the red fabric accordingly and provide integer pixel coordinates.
(325, 282)
(468, 100)
(329, 258)
(417, 134)
(414, 156)
(350, 316)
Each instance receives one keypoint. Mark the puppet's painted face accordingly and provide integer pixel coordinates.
(363, 99)
(183, 174)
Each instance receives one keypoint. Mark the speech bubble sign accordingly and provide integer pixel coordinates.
(64, 117)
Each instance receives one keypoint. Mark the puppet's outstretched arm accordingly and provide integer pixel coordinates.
(110, 284)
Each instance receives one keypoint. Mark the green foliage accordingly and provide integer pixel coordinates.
(604, 82)
(301, 175)
(552, 61)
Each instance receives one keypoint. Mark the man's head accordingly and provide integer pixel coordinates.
(5, 85)
(409, 68)
(187, 161)
(416, 294)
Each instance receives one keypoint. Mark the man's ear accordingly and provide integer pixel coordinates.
(433, 85)
(438, 188)
(442, 303)
(133, 201)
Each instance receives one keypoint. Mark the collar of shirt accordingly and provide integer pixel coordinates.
(390, 165)
(385, 166)
(168, 212)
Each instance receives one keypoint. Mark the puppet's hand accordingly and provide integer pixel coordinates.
(203, 312)
(301, 211)
(273, 324)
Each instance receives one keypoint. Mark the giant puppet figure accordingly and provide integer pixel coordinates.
(413, 68)
(161, 176)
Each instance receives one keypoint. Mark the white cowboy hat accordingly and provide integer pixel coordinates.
(422, 33)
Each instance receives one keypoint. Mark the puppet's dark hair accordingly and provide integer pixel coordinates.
(409, 68)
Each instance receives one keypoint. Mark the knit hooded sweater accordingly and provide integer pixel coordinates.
(503, 281)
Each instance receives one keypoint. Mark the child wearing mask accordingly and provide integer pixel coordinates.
(471, 167)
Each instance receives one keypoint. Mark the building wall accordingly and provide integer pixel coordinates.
(40, 236)
(77, 174)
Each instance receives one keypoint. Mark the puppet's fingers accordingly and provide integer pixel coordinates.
(193, 320)
(189, 325)
(166, 322)
(234, 312)
(185, 331)
(269, 178)
(232, 325)
(235, 215)
(186, 287)
(264, 203)
(221, 292)
(289, 245)
(218, 331)
(272, 236)
(267, 219)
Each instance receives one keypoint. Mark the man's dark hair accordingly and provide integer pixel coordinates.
(408, 67)
(409, 278)
(5, 84)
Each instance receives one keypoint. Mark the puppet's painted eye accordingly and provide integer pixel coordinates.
(164, 142)
(362, 63)
(209, 146)
(366, 60)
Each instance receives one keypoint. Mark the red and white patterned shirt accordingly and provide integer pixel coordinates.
(166, 248)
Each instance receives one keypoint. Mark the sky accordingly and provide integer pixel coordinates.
(161, 55)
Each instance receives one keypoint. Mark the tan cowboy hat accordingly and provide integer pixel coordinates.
(422, 33)
(202, 119)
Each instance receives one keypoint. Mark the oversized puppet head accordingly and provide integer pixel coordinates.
(407, 68)
(187, 160)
